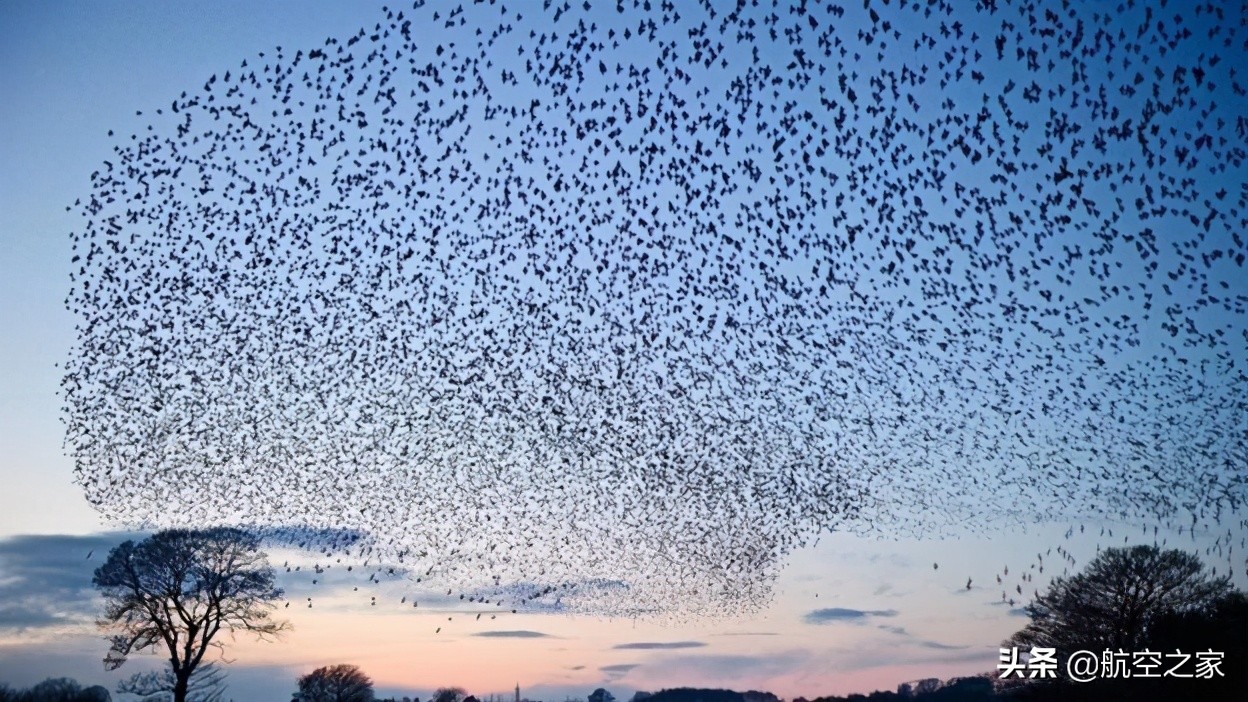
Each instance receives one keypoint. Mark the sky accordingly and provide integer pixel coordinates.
(855, 604)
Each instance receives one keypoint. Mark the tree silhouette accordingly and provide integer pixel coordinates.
(56, 690)
(1116, 601)
(601, 695)
(336, 683)
(177, 589)
(449, 694)
(207, 684)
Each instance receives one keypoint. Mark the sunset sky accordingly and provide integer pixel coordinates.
(853, 611)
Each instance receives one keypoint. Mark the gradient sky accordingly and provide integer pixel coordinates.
(850, 613)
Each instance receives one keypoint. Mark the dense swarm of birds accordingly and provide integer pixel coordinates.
(644, 297)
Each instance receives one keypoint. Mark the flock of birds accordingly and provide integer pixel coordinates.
(631, 302)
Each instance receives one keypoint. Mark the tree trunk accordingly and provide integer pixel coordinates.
(181, 683)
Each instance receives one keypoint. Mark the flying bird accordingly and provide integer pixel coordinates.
(641, 303)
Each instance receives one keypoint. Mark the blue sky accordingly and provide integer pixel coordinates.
(862, 607)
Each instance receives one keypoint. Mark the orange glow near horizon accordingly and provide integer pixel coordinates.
(405, 651)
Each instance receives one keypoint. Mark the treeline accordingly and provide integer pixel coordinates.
(971, 689)
(694, 694)
(56, 690)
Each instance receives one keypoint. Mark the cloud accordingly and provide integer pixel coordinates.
(911, 652)
(536, 597)
(841, 614)
(47, 578)
(516, 634)
(328, 580)
(618, 667)
(901, 631)
(674, 670)
(618, 670)
(650, 645)
(941, 646)
(302, 535)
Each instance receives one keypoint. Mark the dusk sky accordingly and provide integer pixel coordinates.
(793, 349)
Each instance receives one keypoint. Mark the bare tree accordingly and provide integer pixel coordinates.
(177, 589)
(449, 694)
(336, 683)
(1116, 601)
(207, 684)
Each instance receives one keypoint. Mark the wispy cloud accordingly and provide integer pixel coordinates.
(941, 646)
(535, 597)
(729, 668)
(659, 645)
(901, 631)
(841, 614)
(618, 670)
(517, 634)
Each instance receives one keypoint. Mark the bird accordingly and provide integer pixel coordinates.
(527, 303)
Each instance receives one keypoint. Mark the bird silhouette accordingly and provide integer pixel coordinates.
(633, 305)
